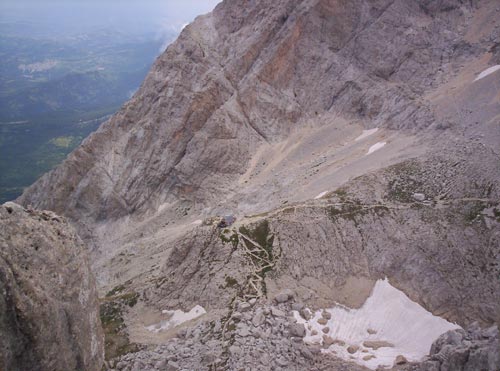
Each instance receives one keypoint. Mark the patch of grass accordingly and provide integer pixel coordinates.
(64, 142)
(262, 255)
(115, 291)
(399, 192)
(417, 206)
(116, 341)
(130, 299)
(405, 182)
(333, 212)
(473, 211)
(233, 239)
(260, 234)
(347, 210)
(341, 193)
(381, 210)
(231, 282)
(111, 315)
(496, 212)
(350, 210)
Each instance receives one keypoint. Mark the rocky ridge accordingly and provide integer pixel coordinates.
(234, 81)
(49, 312)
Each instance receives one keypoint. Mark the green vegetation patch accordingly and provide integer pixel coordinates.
(346, 210)
(65, 142)
(232, 239)
(231, 282)
(474, 210)
(261, 235)
(341, 193)
(115, 291)
(406, 181)
(258, 246)
(496, 212)
(116, 340)
(351, 209)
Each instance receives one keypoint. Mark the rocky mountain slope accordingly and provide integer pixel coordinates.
(354, 141)
(252, 74)
(49, 313)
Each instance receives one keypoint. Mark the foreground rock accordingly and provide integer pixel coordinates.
(474, 349)
(49, 314)
(237, 343)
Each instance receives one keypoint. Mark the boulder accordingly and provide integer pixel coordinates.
(419, 197)
(400, 360)
(352, 349)
(297, 329)
(474, 349)
(259, 318)
(284, 296)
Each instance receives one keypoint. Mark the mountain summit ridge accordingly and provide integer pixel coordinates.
(222, 89)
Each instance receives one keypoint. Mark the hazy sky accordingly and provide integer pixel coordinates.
(84, 15)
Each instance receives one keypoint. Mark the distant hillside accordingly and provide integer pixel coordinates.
(55, 91)
(75, 92)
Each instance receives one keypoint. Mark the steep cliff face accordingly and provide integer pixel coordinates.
(49, 313)
(249, 74)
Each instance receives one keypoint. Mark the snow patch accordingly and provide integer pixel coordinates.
(376, 147)
(197, 222)
(163, 207)
(366, 133)
(487, 72)
(321, 195)
(177, 317)
(387, 325)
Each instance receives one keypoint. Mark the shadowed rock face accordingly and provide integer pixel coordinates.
(49, 314)
(247, 74)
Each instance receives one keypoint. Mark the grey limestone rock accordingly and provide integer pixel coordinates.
(284, 296)
(297, 329)
(49, 312)
(476, 349)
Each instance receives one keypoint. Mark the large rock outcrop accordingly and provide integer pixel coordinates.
(49, 313)
(474, 349)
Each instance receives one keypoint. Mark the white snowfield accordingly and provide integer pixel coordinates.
(320, 195)
(177, 317)
(487, 72)
(366, 133)
(376, 147)
(389, 319)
